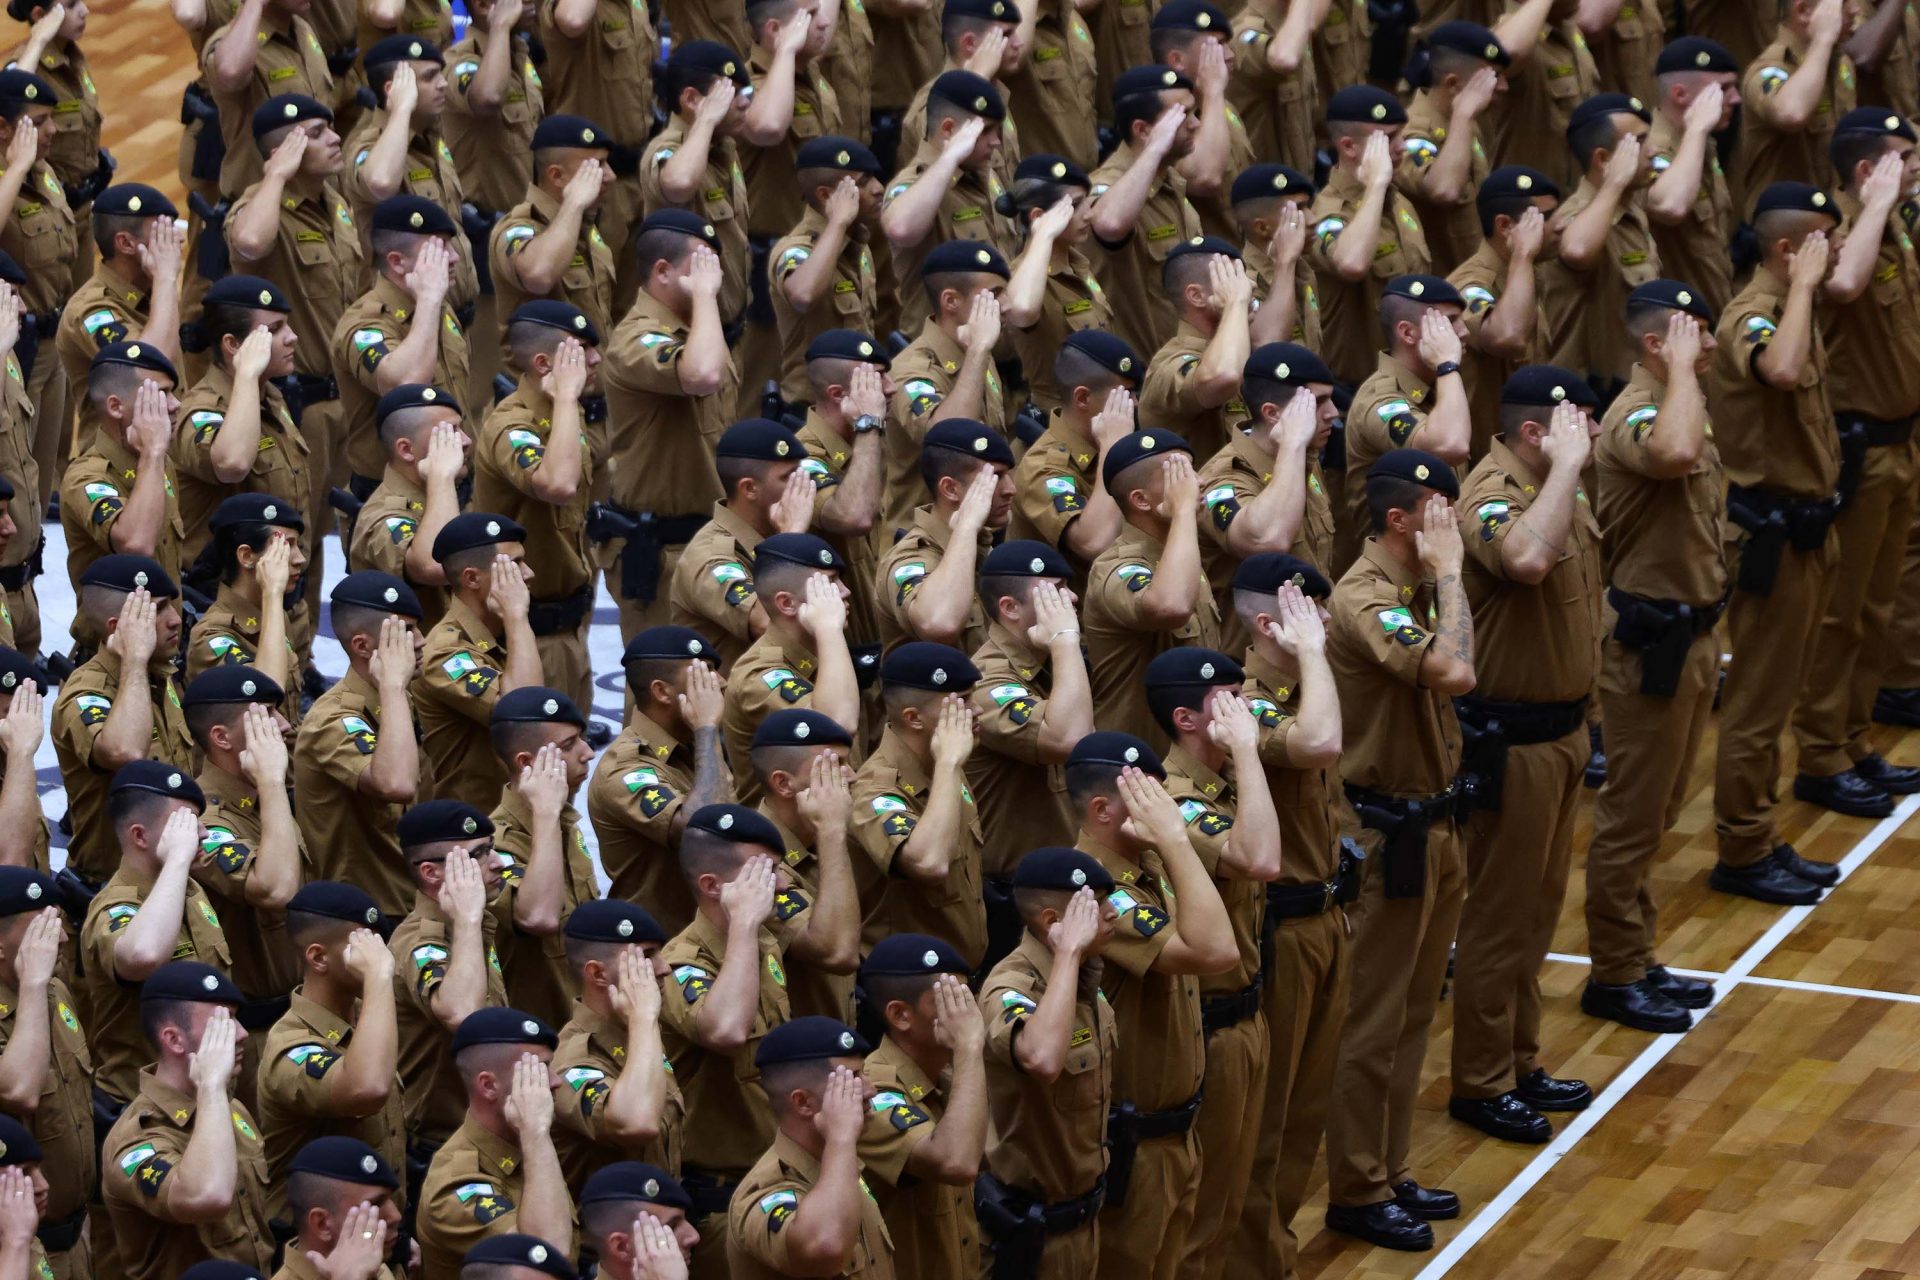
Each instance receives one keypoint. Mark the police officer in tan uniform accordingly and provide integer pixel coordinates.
(1273, 85)
(1052, 1044)
(267, 49)
(664, 766)
(353, 780)
(821, 273)
(119, 495)
(925, 584)
(498, 1172)
(1192, 384)
(1058, 497)
(929, 1082)
(1689, 206)
(532, 463)
(494, 108)
(185, 1138)
(19, 559)
(39, 234)
(845, 436)
(343, 1199)
(1533, 579)
(1553, 72)
(811, 1071)
(427, 458)
(1270, 204)
(1051, 93)
(549, 245)
(1148, 591)
(1795, 92)
(52, 51)
(1401, 646)
(615, 1095)
(1054, 292)
(1500, 285)
(1444, 156)
(632, 1215)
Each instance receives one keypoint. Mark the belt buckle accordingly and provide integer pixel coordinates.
(1329, 890)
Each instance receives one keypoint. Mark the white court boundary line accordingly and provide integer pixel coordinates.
(1739, 973)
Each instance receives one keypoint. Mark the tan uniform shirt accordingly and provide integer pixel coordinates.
(492, 150)
(966, 213)
(103, 309)
(472, 1191)
(1302, 797)
(906, 567)
(661, 439)
(907, 52)
(453, 696)
(512, 446)
(811, 990)
(770, 676)
(428, 172)
(1770, 152)
(638, 786)
(1482, 282)
(1208, 805)
(318, 261)
(1119, 646)
(1453, 231)
(74, 152)
(264, 962)
(712, 589)
(141, 1151)
(1873, 342)
(770, 1194)
(42, 237)
(1663, 538)
(1279, 110)
(774, 200)
(289, 61)
(587, 283)
(853, 304)
(1306, 295)
(86, 699)
(721, 200)
(890, 797)
(1167, 397)
(61, 1120)
(539, 978)
(280, 467)
(829, 456)
(385, 529)
(848, 67)
(1783, 442)
(1350, 314)
(436, 1100)
(592, 1054)
(924, 375)
(1052, 483)
(1141, 312)
(1626, 52)
(1342, 46)
(1388, 411)
(17, 461)
(1074, 301)
(1583, 308)
(1540, 99)
(1695, 250)
(1022, 797)
(369, 329)
(1051, 95)
(1236, 476)
(228, 634)
(92, 495)
(935, 1234)
(607, 74)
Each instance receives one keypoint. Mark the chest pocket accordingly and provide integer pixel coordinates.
(848, 302)
(1135, 13)
(618, 39)
(40, 237)
(1563, 79)
(521, 112)
(318, 277)
(808, 125)
(1078, 1090)
(1628, 25)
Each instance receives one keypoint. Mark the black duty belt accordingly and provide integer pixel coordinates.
(62, 1234)
(1402, 822)
(1773, 523)
(1878, 433)
(647, 536)
(1019, 1222)
(557, 617)
(1127, 1129)
(710, 1192)
(1664, 631)
(1299, 901)
(1222, 1012)
(15, 577)
(1489, 728)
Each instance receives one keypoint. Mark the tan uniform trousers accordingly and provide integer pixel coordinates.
(1651, 745)
(1146, 1238)
(1850, 649)
(1228, 1127)
(1772, 639)
(1902, 669)
(1305, 1005)
(564, 664)
(1072, 1256)
(24, 605)
(1517, 862)
(47, 388)
(1399, 964)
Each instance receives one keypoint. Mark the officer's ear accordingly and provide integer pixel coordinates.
(1186, 719)
(898, 1015)
(1533, 432)
(708, 885)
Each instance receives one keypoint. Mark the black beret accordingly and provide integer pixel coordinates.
(11, 271)
(802, 549)
(1110, 746)
(1287, 363)
(1469, 38)
(1511, 180)
(1545, 385)
(1435, 291)
(613, 920)
(974, 439)
(372, 589)
(1193, 15)
(17, 1145)
(23, 88)
(138, 354)
(6, 489)
(1130, 449)
(22, 889)
(498, 1025)
(1865, 121)
(1418, 466)
(336, 901)
(515, 1249)
(1270, 570)
(1694, 53)
(969, 92)
(1051, 168)
(736, 824)
(472, 529)
(710, 56)
(1364, 104)
(1204, 244)
(400, 48)
(847, 155)
(248, 291)
(632, 1180)
(1797, 197)
(345, 1159)
(1675, 295)
(922, 664)
(1191, 667)
(846, 344)
(666, 643)
(124, 571)
(800, 727)
(1261, 181)
(1025, 558)
(1066, 870)
(288, 108)
(254, 508)
(687, 224)
(1107, 350)
(436, 821)
(970, 256)
(760, 440)
(1151, 78)
(810, 1039)
(1607, 104)
(536, 704)
(988, 10)
(133, 200)
(232, 685)
(16, 666)
(908, 955)
(413, 213)
(220, 1269)
(577, 132)
(159, 778)
(551, 313)
(412, 395)
(191, 981)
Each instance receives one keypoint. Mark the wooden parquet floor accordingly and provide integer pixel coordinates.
(1779, 1140)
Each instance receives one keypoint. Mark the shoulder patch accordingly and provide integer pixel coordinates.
(1398, 623)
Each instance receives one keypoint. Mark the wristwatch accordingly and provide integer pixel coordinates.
(1444, 368)
(867, 422)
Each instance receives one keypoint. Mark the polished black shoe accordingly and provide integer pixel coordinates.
(1430, 1203)
(1385, 1226)
(1637, 1004)
(1898, 706)
(1788, 859)
(1595, 774)
(1543, 1092)
(1894, 779)
(1505, 1117)
(599, 733)
(1764, 881)
(1844, 792)
(1688, 993)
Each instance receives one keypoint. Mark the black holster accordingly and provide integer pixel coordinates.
(420, 1156)
(1663, 631)
(647, 537)
(1853, 455)
(73, 896)
(83, 192)
(1029, 424)
(1003, 922)
(1489, 728)
(1774, 523)
(211, 258)
(1123, 1141)
(62, 1234)
(479, 228)
(106, 1113)
(711, 1194)
(1402, 824)
(210, 148)
(15, 577)
(260, 1013)
(623, 160)
(886, 138)
(558, 617)
(759, 294)
(341, 61)
(866, 666)
(1014, 1221)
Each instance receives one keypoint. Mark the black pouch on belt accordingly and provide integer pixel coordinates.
(211, 260)
(210, 148)
(1123, 1140)
(1483, 757)
(479, 228)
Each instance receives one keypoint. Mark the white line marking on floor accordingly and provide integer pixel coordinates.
(1785, 984)
(1583, 1123)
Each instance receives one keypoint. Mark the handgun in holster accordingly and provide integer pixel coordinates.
(1403, 846)
(1766, 542)
(211, 258)
(1123, 1142)
(1663, 636)
(73, 896)
(1013, 1220)
(84, 191)
(1483, 758)
(479, 228)
(639, 559)
(210, 148)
